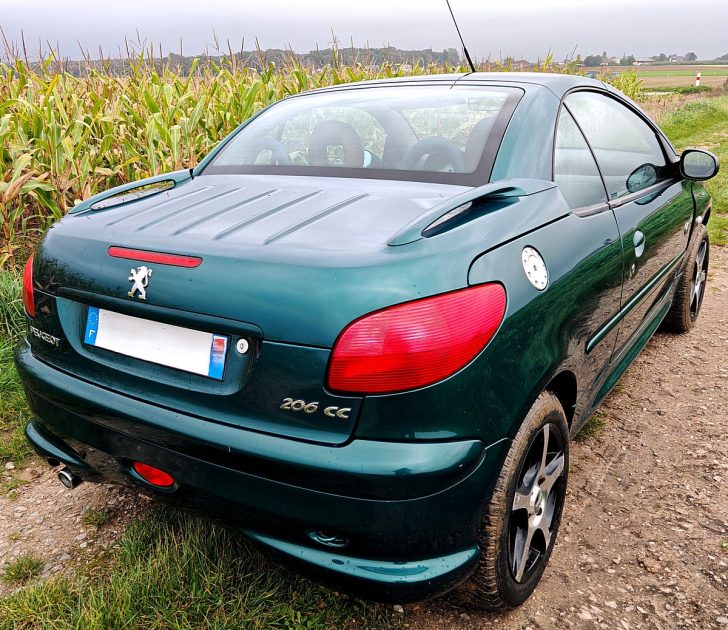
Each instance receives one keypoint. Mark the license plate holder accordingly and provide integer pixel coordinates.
(176, 347)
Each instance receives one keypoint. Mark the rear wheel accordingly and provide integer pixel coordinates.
(691, 287)
(523, 516)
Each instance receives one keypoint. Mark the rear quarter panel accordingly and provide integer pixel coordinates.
(543, 333)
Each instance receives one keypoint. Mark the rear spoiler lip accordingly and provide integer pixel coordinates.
(176, 178)
(503, 189)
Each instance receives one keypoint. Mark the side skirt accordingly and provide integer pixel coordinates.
(621, 362)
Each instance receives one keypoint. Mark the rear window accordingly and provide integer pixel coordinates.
(440, 134)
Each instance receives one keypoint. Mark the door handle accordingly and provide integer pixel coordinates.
(639, 243)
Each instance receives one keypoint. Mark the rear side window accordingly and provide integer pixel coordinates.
(622, 142)
(575, 171)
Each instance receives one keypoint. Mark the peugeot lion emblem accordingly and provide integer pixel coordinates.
(140, 278)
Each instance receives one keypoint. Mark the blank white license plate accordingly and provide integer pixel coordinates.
(164, 344)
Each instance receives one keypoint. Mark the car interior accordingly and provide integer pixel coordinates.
(448, 137)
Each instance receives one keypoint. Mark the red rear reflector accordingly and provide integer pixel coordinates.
(153, 475)
(174, 260)
(417, 343)
(28, 295)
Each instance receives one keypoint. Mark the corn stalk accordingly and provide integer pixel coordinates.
(65, 137)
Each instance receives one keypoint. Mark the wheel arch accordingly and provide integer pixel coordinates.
(706, 216)
(563, 385)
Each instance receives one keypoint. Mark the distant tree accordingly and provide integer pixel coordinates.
(592, 61)
(723, 57)
(691, 56)
(626, 61)
(451, 56)
(661, 57)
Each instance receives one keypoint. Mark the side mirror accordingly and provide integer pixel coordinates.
(642, 177)
(698, 165)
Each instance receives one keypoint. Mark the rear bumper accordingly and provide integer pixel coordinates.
(408, 511)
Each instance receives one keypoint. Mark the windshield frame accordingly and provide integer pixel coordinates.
(481, 175)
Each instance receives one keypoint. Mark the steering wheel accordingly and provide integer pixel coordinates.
(279, 153)
(434, 154)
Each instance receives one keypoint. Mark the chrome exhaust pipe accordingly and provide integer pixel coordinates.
(68, 479)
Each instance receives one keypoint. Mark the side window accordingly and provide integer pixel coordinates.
(623, 143)
(575, 171)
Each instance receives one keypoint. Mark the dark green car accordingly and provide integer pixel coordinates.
(364, 329)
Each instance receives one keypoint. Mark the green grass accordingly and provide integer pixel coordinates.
(13, 408)
(705, 124)
(683, 89)
(96, 518)
(11, 305)
(594, 427)
(172, 570)
(8, 488)
(718, 228)
(717, 72)
(22, 570)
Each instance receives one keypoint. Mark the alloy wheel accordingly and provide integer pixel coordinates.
(697, 282)
(539, 494)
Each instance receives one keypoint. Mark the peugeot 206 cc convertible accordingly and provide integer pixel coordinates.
(364, 329)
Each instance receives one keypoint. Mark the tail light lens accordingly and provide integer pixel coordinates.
(28, 297)
(417, 343)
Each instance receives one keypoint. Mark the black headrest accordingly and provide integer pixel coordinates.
(476, 143)
(335, 133)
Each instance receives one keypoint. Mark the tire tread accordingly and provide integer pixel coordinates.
(678, 318)
(485, 590)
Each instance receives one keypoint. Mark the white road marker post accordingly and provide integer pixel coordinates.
(697, 79)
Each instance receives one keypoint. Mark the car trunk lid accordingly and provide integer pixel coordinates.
(285, 264)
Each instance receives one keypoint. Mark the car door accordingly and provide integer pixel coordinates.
(653, 206)
(594, 242)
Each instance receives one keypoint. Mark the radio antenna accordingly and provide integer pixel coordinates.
(462, 41)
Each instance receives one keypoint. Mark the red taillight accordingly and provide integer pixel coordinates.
(417, 343)
(28, 296)
(142, 255)
(153, 475)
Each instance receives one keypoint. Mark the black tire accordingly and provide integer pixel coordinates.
(686, 304)
(495, 584)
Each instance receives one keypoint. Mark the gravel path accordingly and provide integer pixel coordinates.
(63, 529)
(643, 539)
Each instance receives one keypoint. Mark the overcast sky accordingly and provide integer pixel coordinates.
(492, 28)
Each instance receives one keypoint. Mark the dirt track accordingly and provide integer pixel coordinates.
(647, 515)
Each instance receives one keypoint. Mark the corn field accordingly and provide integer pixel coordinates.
(65, 137)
